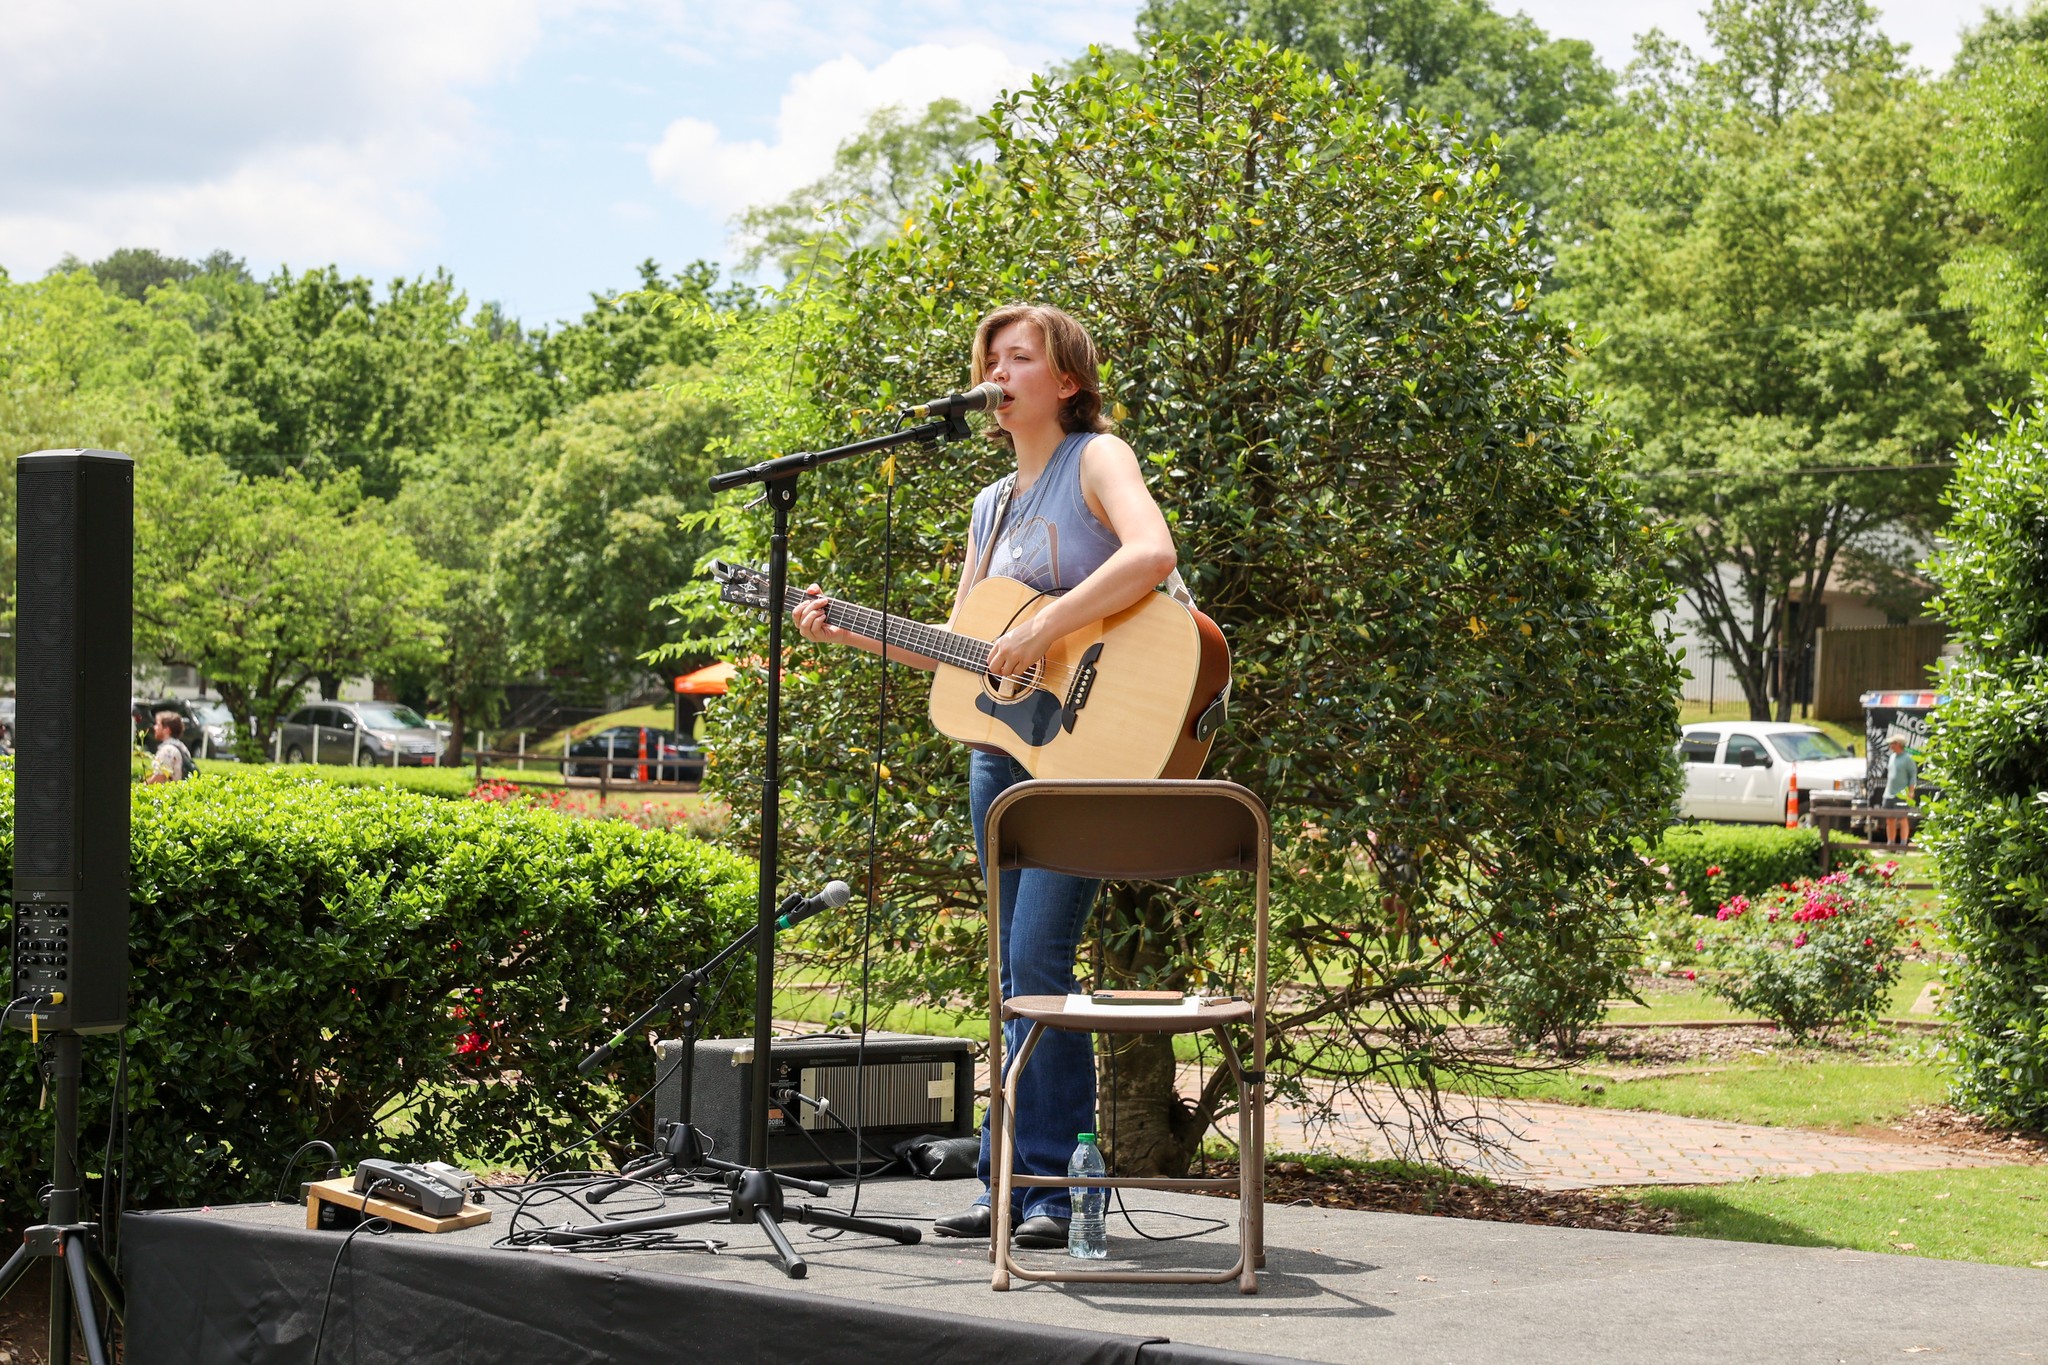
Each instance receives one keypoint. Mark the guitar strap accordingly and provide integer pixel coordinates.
(1176, 587)
(995, 526)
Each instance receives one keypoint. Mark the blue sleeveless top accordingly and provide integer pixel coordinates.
(1049, 537)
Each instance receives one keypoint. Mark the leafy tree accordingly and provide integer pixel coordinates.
(1460, 59)
(451, 514)
(1996, 34)
(1996, 163)
(622, 338)
(84, 368)
(597, 537)
(1988, 755)
(880, 177)
(1439, 594)
(1757, 252)
(322, 377)
(266, 584)
(133, 271)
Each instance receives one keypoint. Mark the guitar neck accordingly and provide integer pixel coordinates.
(934, 642)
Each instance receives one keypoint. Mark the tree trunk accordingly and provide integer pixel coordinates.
(458, 732)
(1148, 1128)
(330, 685)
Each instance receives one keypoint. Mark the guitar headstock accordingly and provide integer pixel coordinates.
(740, 585)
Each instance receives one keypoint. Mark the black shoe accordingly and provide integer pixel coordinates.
(971, 1222)
(1041, 1232)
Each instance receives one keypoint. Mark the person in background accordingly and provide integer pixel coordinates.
(173, 761)
(1901, 777)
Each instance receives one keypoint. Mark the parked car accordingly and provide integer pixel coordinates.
(664, 755)
(1740, 770)
(369, 733)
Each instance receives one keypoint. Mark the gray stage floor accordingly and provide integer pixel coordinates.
(1343, 1286)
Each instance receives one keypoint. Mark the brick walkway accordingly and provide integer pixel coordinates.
(1562, 1146)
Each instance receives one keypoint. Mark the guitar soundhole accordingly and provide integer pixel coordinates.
(1016, 686)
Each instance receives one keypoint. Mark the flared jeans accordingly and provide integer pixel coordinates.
(1044, 916)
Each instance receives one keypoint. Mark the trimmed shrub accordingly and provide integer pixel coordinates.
(1988, 753)
(1547, 988)
(1710, 863)
(318, 961)
(1819, 952)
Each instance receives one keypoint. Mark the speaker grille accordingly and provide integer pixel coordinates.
(46, 803)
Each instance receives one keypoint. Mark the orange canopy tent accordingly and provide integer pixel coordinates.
(708, 681)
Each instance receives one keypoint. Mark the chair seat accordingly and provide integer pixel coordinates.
(1052, 1011)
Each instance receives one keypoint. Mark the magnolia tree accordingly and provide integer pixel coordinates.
(1439, 596)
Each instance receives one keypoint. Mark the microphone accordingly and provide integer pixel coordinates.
(983, 397)
(832, 897)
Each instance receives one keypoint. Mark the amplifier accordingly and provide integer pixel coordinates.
(909, 1085)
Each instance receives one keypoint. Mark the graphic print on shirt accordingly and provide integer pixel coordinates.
(1032, 555)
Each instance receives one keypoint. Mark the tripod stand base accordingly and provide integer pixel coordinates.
(77, 1267)
(754, 1197)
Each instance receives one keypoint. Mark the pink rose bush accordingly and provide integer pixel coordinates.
(1813, 953)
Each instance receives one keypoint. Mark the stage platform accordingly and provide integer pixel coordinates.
(245, 1285)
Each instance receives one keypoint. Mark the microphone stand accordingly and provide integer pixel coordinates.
(755, 1194)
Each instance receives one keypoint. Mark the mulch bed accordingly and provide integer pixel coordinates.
(1292, 1182)
(1941, 1124)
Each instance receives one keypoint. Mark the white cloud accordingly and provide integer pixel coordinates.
(820, 109)
(302, 131)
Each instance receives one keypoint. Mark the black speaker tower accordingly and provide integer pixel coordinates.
(75, 570)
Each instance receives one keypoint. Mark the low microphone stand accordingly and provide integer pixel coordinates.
(755, 1194)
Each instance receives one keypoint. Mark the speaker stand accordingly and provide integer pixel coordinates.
(71, 1245)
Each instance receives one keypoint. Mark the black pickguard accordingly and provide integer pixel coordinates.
(1035, 718)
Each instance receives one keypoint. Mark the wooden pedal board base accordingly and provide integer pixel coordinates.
(341, 1193)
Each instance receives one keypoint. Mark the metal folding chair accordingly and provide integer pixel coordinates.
(1130, 831)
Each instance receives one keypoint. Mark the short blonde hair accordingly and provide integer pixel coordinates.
(1068, 349)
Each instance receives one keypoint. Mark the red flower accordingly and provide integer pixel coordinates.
(1692, 976)
(1498, 938)
(1800, 941)
(1714, 871)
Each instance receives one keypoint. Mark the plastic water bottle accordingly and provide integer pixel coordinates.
(1087, 1232)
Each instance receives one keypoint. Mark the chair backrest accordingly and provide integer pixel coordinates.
(1126, 830)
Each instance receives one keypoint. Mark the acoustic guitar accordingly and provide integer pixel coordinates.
(1139, 694)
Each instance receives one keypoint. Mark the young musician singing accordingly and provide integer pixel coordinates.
(1079, 521)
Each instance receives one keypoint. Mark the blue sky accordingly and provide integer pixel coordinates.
(538, 149)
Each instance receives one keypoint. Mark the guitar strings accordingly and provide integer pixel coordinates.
(1047, 670)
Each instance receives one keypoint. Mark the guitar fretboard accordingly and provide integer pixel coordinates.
(934, 642)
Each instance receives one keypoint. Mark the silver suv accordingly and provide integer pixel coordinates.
(381, 734)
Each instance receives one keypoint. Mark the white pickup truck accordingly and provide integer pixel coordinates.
(1739, 770)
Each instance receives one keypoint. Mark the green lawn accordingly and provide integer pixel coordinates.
(1834, 1096)
(1998, 1215)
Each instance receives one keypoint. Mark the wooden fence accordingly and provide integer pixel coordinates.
(1850, 661)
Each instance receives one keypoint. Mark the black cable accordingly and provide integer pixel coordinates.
(1214, 1224)
(291, 1166)
(518, 1235)
(376, 1227)
(116, 1106)
(867, 918)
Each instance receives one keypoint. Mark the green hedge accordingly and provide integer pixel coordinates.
(310, 958)
(1752, 859)
(1987, 752)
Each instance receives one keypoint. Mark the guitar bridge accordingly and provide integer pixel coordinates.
(1084, 683)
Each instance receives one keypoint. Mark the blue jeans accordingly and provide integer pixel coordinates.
(1044, 916)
